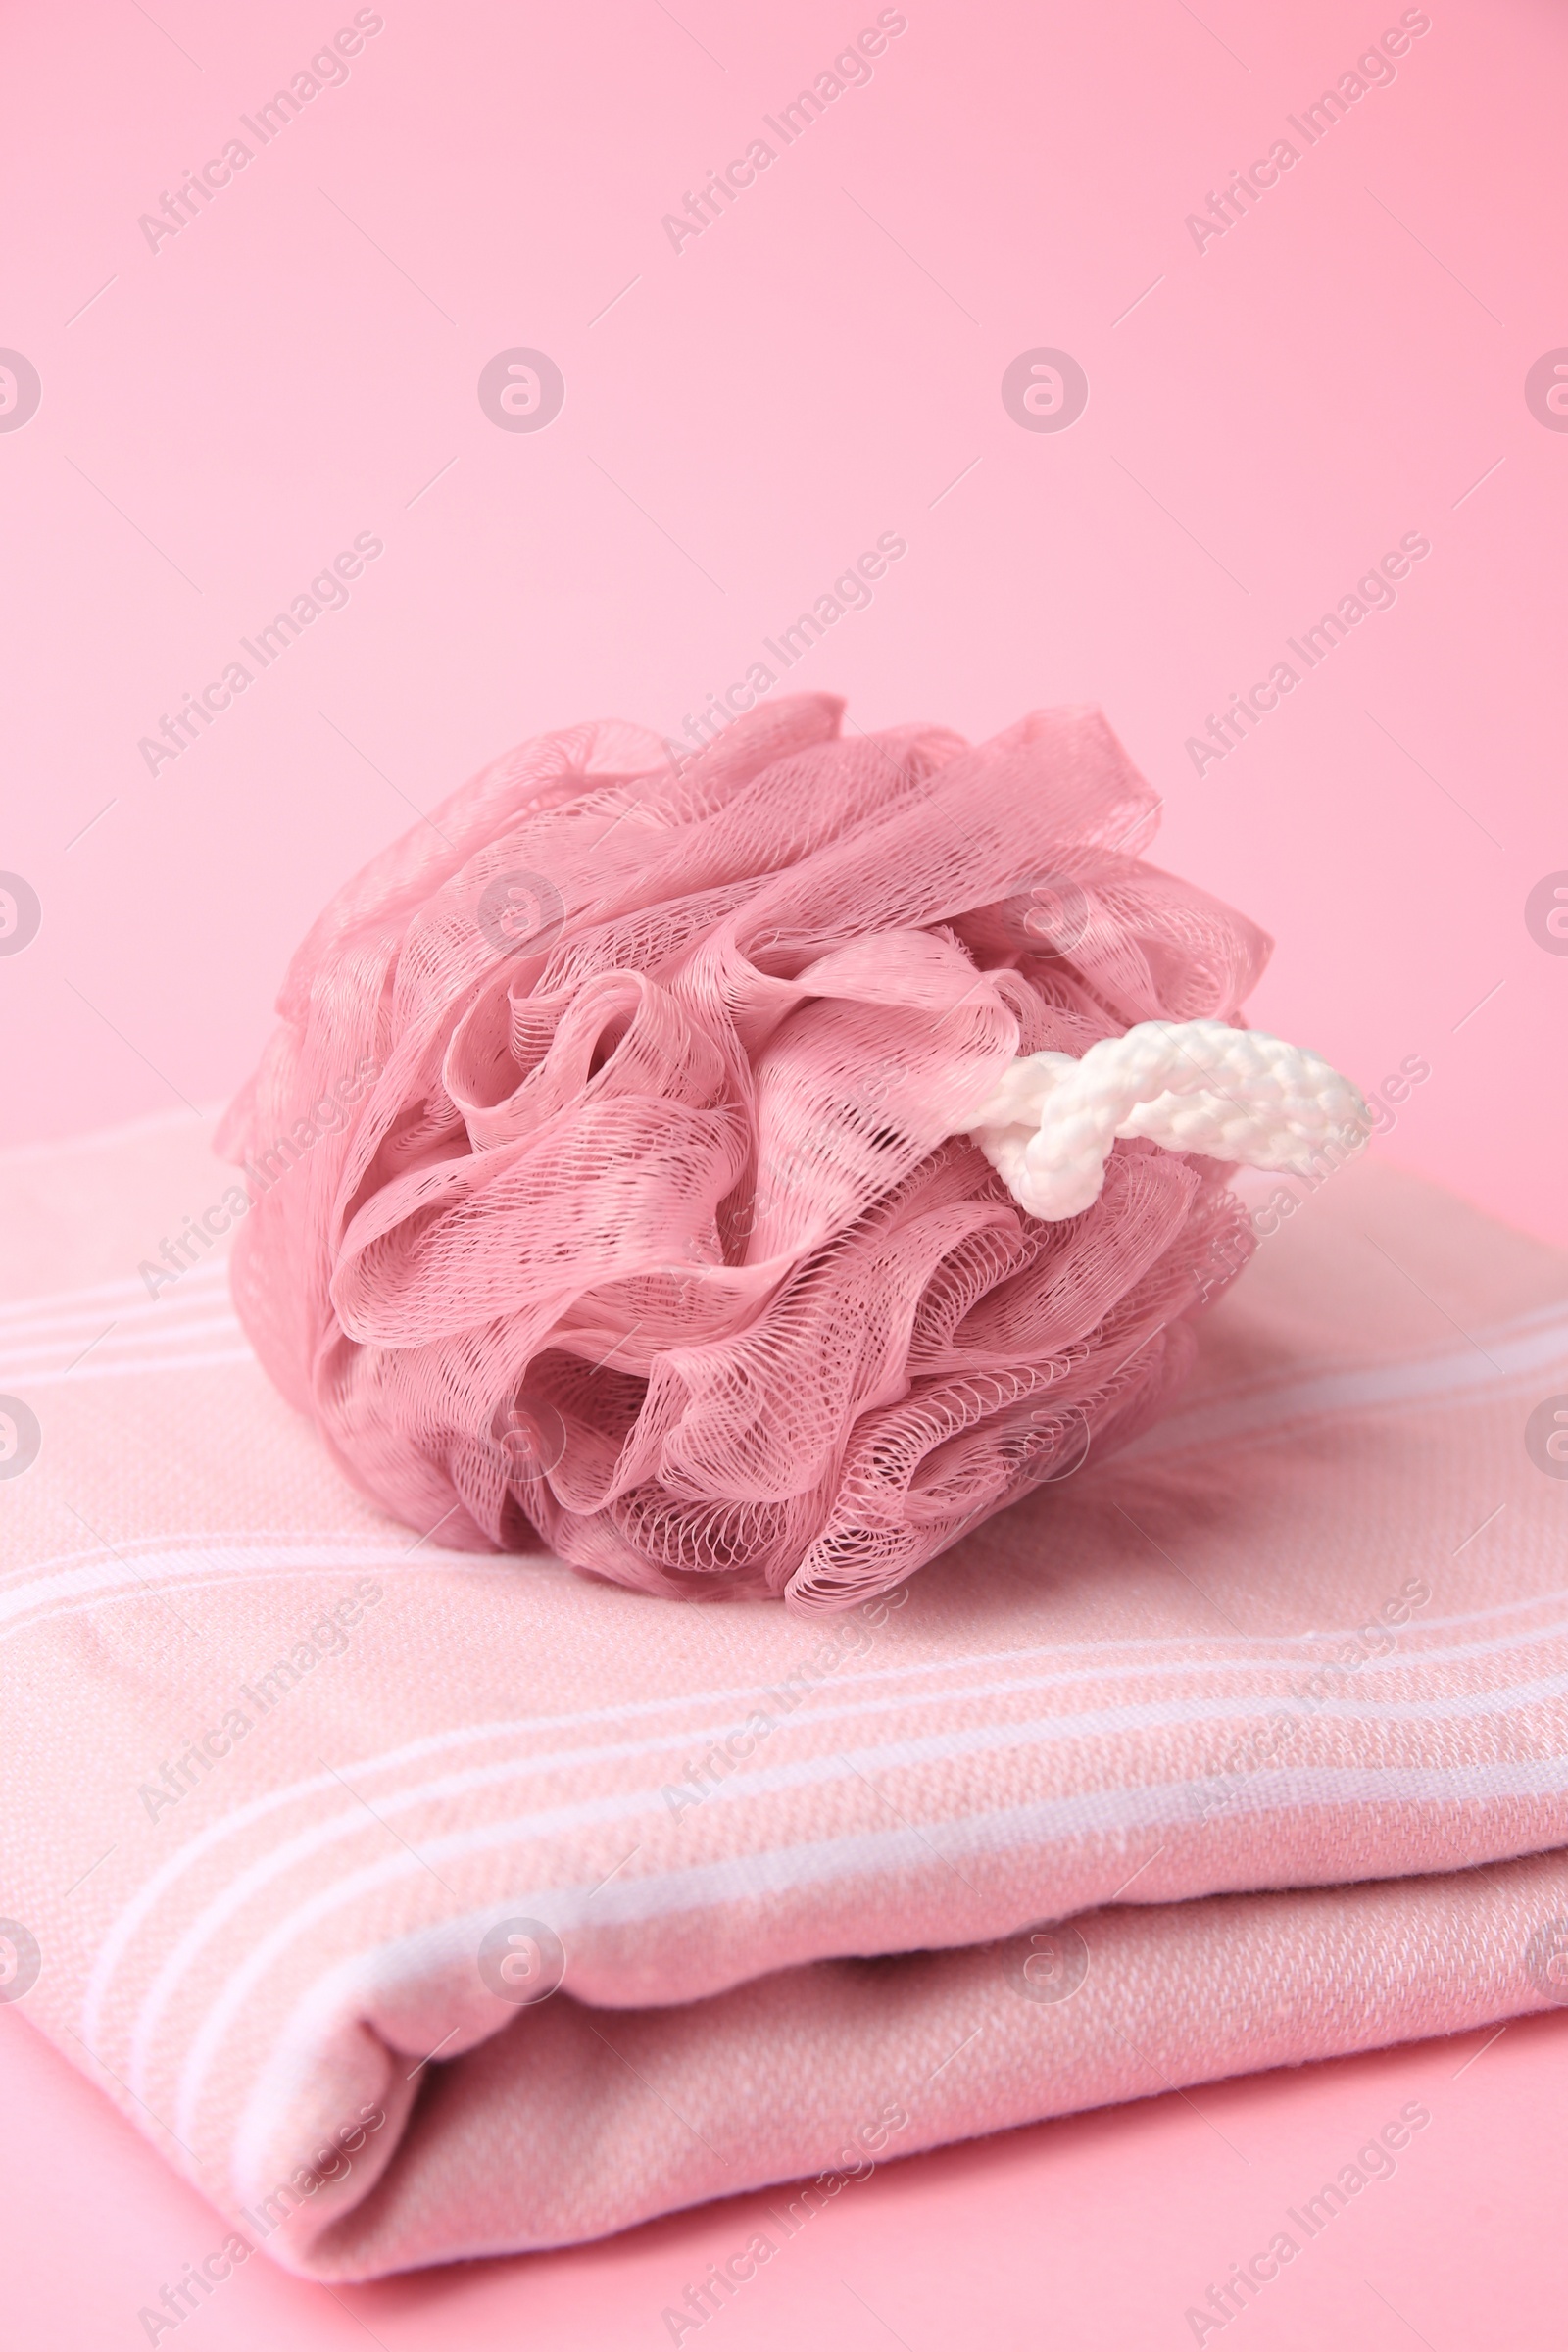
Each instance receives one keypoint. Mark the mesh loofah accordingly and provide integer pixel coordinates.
(610, 1196)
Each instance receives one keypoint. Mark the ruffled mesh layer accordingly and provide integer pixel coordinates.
(607, 1191)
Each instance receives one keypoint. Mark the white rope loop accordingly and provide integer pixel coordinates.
(1191, 1086)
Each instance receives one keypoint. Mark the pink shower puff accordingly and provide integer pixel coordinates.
(607, 1193)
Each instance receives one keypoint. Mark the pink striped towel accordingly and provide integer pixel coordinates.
(421, 1904)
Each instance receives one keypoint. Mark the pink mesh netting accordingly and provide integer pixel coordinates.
(607, 1198)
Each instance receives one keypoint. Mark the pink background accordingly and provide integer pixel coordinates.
(822, 365)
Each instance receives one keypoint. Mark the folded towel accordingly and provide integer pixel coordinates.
(421, 1904)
